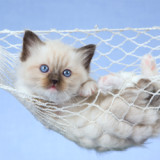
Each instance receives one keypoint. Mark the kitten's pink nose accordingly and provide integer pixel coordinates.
(55, 81)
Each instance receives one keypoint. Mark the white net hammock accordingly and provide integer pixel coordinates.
(121, 123)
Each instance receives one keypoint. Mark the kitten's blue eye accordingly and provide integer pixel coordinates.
(44, 68)
(67, 73)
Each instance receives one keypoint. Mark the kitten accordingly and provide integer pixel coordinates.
(113, 120)
(53, 70)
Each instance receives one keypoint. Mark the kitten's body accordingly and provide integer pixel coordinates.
(113, 120)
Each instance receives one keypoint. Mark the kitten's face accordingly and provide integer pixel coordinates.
(52, 69)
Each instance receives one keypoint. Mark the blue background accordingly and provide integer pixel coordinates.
(21, 135)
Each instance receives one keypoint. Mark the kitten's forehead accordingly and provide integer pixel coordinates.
(58, 54)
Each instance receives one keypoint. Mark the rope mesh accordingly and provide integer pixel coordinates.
(88, 122)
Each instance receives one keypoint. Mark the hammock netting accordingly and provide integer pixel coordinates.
(117, 50)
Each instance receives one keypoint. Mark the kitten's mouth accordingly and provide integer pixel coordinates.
(53, 87)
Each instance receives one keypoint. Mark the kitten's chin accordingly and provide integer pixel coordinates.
(52, 94)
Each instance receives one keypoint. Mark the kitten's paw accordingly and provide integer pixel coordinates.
(88, 89)
(109, 82)
(148, 66)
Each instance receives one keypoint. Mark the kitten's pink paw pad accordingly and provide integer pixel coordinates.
(88, 89)
(149, 62)
(108, 82)
(103, 79)
(148, 65)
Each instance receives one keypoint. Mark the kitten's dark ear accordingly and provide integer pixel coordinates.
(30, 39)
(87, 54)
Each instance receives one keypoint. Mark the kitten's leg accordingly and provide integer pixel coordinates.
(116, 81)
(152, 96)
(88, 88)
(110, 82)
(148, 66)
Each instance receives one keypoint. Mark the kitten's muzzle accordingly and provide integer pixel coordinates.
(53, 78)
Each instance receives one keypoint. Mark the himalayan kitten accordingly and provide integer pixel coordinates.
(53, 70)
(114, 119)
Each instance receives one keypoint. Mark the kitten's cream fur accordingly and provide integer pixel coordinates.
(113, 120)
